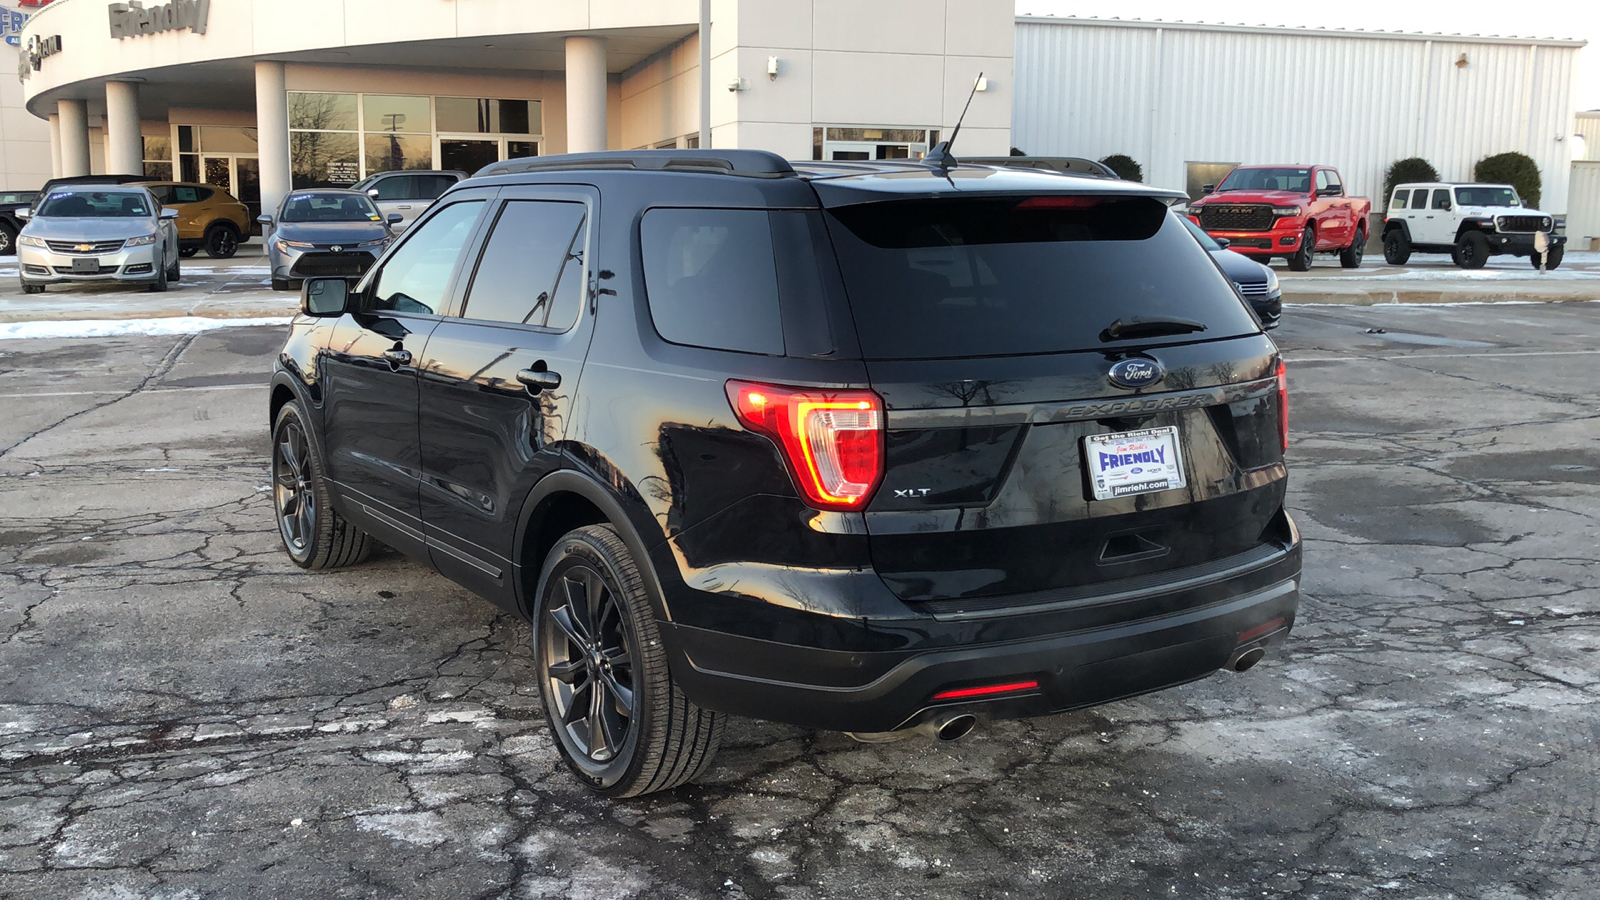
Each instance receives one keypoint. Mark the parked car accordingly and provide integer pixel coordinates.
(12, 202)
(98, 233)
(1471, 222)
(1257, 284)
(1290, 211)
(407, 194)
(851, 446)
(209, 218)
(324, 232)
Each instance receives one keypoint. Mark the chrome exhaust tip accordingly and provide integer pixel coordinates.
(1247, 660)
(945, 728)
(955, 728)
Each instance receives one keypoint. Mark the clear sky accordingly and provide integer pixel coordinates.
(1548, 18)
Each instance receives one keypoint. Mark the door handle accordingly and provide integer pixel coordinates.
(539, 379)
(397, 357)
(407, 206)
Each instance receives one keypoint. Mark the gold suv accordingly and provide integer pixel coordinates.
(209, 218)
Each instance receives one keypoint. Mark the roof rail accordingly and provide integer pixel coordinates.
(750, 163)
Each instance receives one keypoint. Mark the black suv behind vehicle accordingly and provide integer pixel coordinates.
(857, 446)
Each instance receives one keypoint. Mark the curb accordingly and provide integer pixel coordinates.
(1435, 295)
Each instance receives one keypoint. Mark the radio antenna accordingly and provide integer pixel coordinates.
(940, 155)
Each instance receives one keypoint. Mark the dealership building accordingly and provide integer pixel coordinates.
(263, 96)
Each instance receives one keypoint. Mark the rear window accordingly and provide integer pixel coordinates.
(711, 278)
(1011, 276)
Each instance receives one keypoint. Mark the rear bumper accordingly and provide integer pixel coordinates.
(1202, 627)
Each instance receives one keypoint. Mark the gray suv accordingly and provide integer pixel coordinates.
(407, 194)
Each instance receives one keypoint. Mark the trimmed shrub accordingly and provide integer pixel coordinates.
(1016, 152)
(1406, 171)
(1515, 169)
(1125, 166)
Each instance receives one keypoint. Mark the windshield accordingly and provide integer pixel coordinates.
(1205, 240)
(1017, 275)
(1295, 180)
(95, 205)
(1486, 196)
(340, 207)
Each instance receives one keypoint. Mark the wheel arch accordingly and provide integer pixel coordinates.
(1473, 224)
(560, 502)
(1397, 225)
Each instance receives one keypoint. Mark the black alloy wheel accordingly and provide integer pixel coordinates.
(8, 240)
(314, 534)
(1300, 260)
(1351, 256)
(588, 665)
(1472, 250)
(222, 241)
(620, 722)
(1396, 248)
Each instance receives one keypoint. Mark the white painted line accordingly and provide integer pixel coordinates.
(1305, 359)
(121, 327)
(160, 390)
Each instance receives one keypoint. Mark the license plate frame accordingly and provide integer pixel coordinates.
(85, 265)
(1155, 463)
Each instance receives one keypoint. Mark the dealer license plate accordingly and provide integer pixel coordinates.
(85, 266)
(1134, 462)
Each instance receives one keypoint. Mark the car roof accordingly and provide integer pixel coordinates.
(835, 181)
(341, 191)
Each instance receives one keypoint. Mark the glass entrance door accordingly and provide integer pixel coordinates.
(238, 175)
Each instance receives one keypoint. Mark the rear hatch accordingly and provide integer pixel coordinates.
(1017, 469)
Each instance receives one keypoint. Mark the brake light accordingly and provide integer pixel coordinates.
(987, 690)
(831, 440)
(1060, 201)
(1283, 404)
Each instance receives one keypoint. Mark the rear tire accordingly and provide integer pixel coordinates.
(188, 252)
(1351, 256)
(222, 241)
(1396, 248)
(1552, 258)
(1472, 250)
(620, 722)
(313, 533)
(8, 240)
(1300, 261)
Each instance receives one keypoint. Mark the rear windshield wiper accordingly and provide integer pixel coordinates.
(1149, 326)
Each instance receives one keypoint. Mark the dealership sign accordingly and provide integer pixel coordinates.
(133, 19)
(35, 52)
(11, 22)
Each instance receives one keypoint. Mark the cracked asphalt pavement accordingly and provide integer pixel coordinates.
(186, 715)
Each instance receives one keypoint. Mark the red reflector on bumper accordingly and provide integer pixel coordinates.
(986, 690)
(1247, 636)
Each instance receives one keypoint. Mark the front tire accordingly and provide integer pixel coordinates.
(314, 534)
(1472, 250)
(280, 284)
(1300, 261)
(1396, 248)
(1552, 257)
(1351, 256)
(222, 241)
(159, 286)
(33, 289)
(620, 722)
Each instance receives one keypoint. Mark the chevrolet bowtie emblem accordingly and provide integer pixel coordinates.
(85, 248)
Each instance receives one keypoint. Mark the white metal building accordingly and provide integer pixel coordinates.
(24, 140)
(1583, 211)
(1189, 101)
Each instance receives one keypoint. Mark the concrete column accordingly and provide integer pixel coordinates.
(272, 134)
(74, 118)
(586, 94)
(124, 145)
(55, 146)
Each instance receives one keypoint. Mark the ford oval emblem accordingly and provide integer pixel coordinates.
(1136, 373)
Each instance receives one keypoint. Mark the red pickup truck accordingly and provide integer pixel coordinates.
(1291, 211)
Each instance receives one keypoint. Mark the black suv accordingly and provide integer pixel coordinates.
(874, 447)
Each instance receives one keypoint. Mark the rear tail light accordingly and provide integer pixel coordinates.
(832, 440)
(1283, 404)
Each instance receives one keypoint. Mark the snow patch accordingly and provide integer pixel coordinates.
(120, 327)
(422, 829)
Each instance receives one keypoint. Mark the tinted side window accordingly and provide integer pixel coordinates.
(184, 194)
(531, 271)
(414, 279)
(431, 187)
(401, 187)
(1441, 198)
(1419, 198)
(711, 280)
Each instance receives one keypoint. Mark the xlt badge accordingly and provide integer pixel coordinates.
(911, 493)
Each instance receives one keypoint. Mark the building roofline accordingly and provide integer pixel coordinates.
(1571, 43)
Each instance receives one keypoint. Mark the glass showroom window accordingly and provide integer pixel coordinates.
(158, 158)
(336, 140)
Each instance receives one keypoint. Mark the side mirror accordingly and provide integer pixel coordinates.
(168, 214)
(1224, 243)
(24, 214)
(396, 218)
(373, 193)
(324, 298)
(264, 219)
(1333, 190)
(1206, 189)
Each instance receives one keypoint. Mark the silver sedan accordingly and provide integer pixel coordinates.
(98, 233)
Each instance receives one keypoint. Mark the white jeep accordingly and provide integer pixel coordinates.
(1471, 222)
